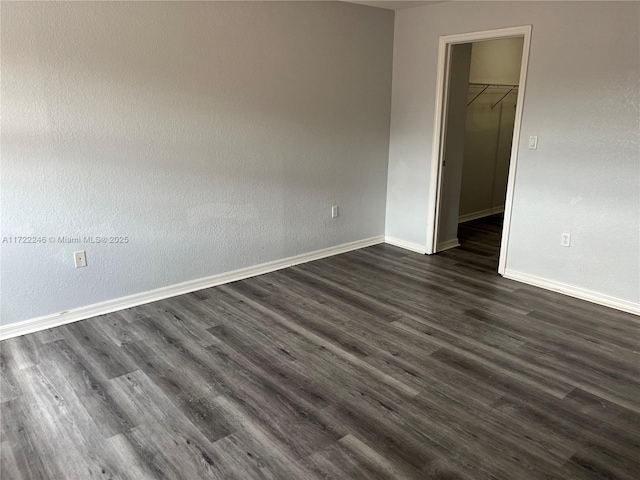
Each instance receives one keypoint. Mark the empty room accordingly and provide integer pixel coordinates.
(319, 240)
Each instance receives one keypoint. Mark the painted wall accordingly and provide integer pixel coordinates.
(489, 131)
(582, 100)
(214, 135)
(454, 146)
(488, 137)
(496, 61)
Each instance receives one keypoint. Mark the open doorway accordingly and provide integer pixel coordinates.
(481, 89)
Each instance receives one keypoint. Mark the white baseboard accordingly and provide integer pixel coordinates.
(576, 292)
(448, 244)
(482, 213)
(54, 320)
(396, 242)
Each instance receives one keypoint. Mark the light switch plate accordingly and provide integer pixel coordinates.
(533, 142)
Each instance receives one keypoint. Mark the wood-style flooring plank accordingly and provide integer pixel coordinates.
(378, 363)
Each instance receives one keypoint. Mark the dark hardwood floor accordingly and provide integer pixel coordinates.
(378, 363)
(482, 239)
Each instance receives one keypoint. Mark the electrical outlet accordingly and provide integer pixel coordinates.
(566, 240)
(80, 259)
(334, 211)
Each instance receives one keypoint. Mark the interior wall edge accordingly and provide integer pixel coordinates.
(447, 244)
(397, 242)
(480, 214)
(575, 292)
(62, 318)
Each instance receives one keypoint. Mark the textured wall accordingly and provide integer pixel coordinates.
(215, 135)
(582, 99)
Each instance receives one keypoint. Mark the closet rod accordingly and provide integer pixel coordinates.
(494, 84)
(503, 97)
(487, 85)
(481, 92)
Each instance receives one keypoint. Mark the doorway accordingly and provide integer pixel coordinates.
(481, 85)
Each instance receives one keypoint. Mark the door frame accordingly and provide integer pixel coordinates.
(439, 134)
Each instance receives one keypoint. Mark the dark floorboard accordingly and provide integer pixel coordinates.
(375, 364)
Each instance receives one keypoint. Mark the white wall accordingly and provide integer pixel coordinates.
(215, 135)
(582, 100)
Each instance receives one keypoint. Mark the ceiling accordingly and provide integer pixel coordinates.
(393, 4)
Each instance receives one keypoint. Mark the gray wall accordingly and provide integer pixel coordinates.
(454, 145)
(582, 100)
(215, 135)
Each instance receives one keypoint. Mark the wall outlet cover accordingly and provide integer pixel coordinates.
(80, 259)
